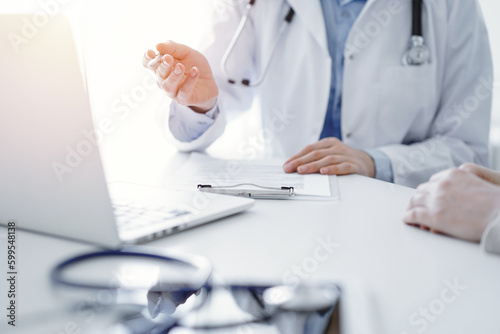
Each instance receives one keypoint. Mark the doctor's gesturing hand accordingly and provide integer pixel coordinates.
(330, 156)
(184, 74)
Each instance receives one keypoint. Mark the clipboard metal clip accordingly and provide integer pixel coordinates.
(260, 191)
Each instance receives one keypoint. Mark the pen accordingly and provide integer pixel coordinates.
(261, 192)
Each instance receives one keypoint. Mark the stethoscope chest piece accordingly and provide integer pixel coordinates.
(417, 54)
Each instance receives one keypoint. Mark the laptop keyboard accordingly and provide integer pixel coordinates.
(131, 215)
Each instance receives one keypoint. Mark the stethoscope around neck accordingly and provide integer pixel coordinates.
(247, 82)
(416, 55)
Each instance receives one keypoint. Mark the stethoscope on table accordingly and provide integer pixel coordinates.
(416, 55)
(173, 291)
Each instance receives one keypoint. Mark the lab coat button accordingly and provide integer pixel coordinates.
(348, 135)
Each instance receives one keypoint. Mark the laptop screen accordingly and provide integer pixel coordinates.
(51, 173)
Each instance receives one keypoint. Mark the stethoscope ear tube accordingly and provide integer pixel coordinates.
(233, 41)
(247, 82)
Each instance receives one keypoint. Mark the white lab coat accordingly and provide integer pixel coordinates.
(424, 118)
(491, 237)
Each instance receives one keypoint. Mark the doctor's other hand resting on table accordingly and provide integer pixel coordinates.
(463, 203)
(337, 91)
(331, 156)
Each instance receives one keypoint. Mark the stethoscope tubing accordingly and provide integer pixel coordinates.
(417, 18)
(229, 50)
(204, 267)
(417, 34)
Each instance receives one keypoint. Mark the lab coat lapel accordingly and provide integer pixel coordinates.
(366, 8)
(311, 13)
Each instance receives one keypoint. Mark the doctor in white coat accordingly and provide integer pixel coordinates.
(396, 122)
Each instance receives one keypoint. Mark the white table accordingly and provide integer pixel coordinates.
(403, 270)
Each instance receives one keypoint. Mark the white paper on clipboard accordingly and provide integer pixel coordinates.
(203, 169)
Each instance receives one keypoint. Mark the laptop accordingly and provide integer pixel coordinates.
(51, 175)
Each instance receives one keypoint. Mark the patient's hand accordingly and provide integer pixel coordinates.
(455, 202)
(484, 173)
(196, 87)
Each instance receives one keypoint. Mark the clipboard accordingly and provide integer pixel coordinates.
(252, 178)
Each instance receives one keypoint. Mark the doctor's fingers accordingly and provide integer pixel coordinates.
(172, 82)
(315, 161)
(344, 168)
(186, 89)
(292, 165)
(177, 50)
(164, 69)
(319, 145)
(147, 58)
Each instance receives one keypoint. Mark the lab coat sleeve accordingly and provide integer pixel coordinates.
(490, 240)
(241, 64)
(383, 168)
(187, 130)
(188, 125)
(460, 130)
